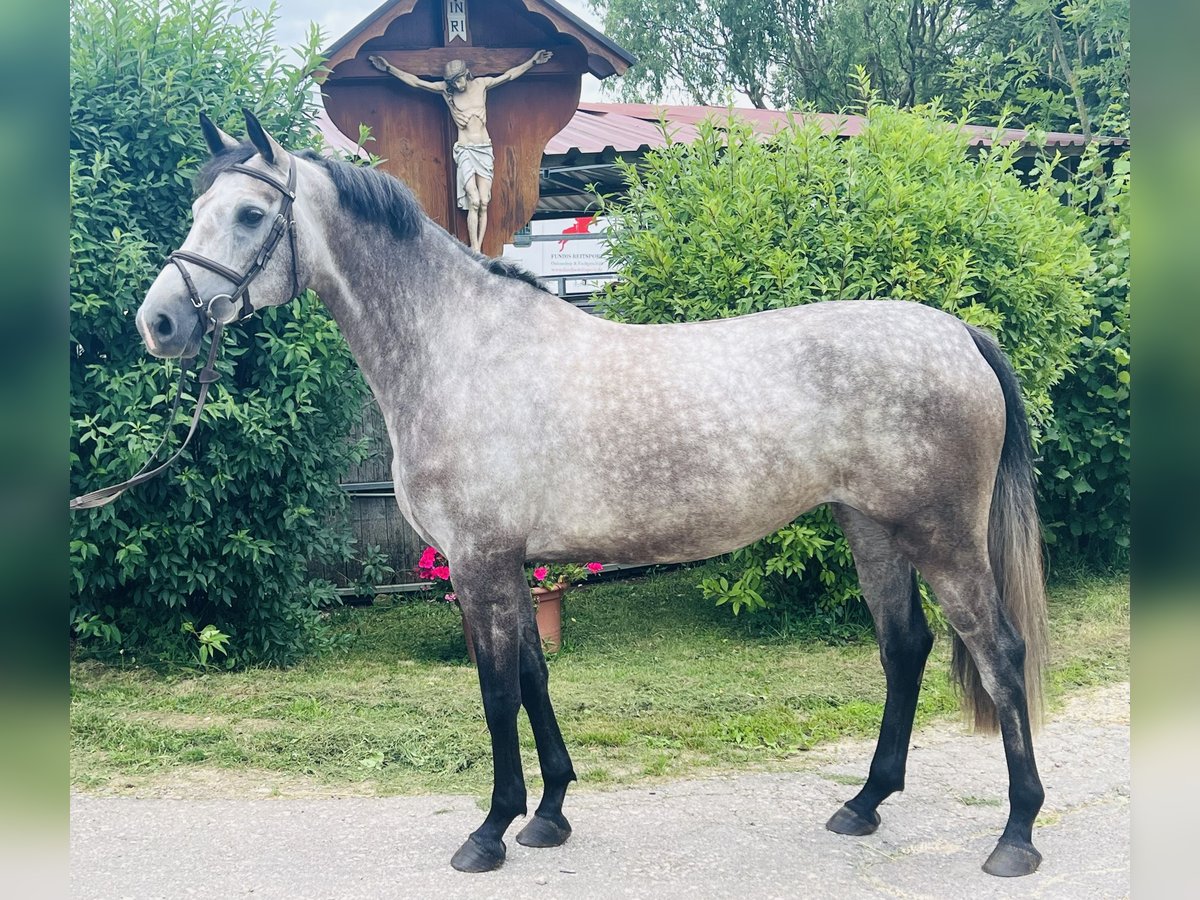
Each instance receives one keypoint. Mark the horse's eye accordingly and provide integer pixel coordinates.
(250, 216)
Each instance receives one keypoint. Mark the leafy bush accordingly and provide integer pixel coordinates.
(1085, 467)
(734, 224)
(221, 541)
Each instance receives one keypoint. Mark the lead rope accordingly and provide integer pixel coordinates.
(209, 374)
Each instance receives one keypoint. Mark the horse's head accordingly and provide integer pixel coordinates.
(240, 255)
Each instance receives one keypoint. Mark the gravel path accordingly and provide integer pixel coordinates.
(757, 835)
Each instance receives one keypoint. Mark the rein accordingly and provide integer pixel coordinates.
(284, 222)
(207, 376)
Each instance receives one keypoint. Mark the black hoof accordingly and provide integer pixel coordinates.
(847, 821)
(1012, 861)
(479, 856)
(543, 832)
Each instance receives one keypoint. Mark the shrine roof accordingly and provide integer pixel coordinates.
(604, 56)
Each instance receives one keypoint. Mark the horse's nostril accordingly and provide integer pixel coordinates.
(163, 326)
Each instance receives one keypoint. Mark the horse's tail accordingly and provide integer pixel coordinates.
(1015, 550)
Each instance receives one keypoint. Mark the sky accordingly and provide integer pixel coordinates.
(336, 17)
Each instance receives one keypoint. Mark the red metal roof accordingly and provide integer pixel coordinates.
(628, 127)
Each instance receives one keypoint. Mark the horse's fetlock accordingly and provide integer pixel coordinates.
(1027, 797)
(509, 803)
(559, 779)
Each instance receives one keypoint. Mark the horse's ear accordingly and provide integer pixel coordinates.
(216, 139)
(263, 142)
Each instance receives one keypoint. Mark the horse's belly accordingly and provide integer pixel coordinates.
(671, 521)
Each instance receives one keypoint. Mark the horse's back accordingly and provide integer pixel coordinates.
(859, 365)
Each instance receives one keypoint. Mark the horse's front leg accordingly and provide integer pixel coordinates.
(492, 590)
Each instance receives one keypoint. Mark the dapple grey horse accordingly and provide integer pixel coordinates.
(669, 443)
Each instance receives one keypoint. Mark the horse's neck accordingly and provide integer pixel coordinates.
(401, 304)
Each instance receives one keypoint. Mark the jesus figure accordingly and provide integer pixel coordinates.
(466, 96)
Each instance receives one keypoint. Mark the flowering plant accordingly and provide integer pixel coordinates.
(552, 575)
(433, 567)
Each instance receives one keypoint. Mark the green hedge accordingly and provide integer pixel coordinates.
(734, 223)
(224, 538)
(1085, 469)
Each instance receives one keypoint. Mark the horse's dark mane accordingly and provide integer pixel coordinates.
(506, 269)
(370, 194)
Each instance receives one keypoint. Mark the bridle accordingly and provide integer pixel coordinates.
(208, 311)
(284, 223)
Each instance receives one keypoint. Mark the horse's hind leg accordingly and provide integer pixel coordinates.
(889, 586)
(548, 827)
(966, 591)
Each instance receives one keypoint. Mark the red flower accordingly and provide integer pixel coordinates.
(594, 567)
(427, 558)
(540, 573)
(442, 573)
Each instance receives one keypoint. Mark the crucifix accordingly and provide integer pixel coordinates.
(466, 96)
(462, 97)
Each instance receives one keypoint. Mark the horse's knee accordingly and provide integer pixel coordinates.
(907, 643)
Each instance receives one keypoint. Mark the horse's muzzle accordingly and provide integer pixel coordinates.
(170, 329)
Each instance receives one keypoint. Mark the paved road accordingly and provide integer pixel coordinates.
(758, 835)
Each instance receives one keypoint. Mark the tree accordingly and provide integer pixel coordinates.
(1058, 64)
(225, 537)
(1062, 65)
(905, 46)
(703, 48)
(790, 53)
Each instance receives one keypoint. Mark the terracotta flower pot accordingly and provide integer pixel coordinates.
(549, 620)
(549, 616)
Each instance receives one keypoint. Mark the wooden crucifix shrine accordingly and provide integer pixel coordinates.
(466, 86)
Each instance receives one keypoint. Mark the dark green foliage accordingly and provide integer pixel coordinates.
(734, 224)
(1061, 65)
(223, 539)
(1085, 467)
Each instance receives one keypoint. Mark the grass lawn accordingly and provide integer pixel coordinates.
(654, 681)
